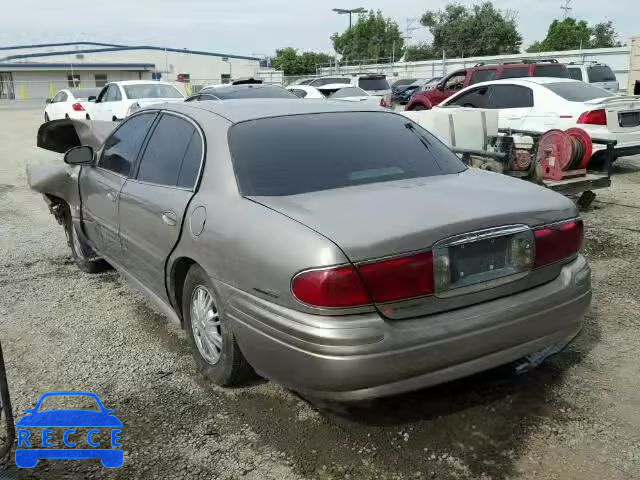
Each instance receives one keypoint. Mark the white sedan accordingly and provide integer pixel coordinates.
(539, 104)
(118, 100)
(69, 103)
(335, 91)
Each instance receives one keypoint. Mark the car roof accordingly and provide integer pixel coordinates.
(526, 81)
(240, 110)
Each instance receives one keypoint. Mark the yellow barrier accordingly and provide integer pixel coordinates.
(52, 90)
(23, 92)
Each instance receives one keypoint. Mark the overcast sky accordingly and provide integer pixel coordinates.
(257, 27)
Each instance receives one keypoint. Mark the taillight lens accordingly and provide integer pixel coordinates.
(399, 278)
(331, 287)
(384, 103)
(77, 107)
(594, 117)
(557, 242)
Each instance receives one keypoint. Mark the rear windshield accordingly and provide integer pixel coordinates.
(601, 73)
(373, 83)
(577, 91)
(79, 93)
(318, 82)
(227, 93)
(305, 153)
(151, 90)
(551, 70)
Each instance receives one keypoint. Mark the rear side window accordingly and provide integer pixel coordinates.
(509, 96)
(305, 153)
(551, 70)
(600, 73)
(515, 72)
(483, 76)
(164, 154)
(575, 73)
(122, 147)
(578, 92)
(373, 83)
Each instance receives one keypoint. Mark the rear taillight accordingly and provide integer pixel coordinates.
(558, 242)
(594, 117)
(384, 103)
(399, 278)
(77, 107)
(330, 287)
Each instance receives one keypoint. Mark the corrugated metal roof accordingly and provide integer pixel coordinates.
(63, 44)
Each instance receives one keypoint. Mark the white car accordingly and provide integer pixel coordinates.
(118, 100)
(332, 91)
(597, 74)
(69, 103)
(539, 104)
(374, 83)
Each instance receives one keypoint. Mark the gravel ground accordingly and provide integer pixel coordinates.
(574, 417)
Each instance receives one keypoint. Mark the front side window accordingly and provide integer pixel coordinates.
(285, 155)
(509, 96)
(476, 98)
(483, 75)
(169, 145)
(122, 147)
(455, 81)
(60, 97)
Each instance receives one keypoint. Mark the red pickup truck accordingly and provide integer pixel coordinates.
(456, 81)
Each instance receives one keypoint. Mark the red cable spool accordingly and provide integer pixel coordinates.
(578, 134)
(555, 151)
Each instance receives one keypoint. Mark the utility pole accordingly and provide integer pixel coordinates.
(349, 11)
(566, 7)
(410, 22)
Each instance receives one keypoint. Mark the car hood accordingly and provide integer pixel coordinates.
(376, 220)
(69, 418)
(61, 135)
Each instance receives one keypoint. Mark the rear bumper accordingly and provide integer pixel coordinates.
(365, 356)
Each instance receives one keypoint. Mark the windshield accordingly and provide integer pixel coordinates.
(84, 93)
(318, 82)
(373, 83)
(227, 93)
(601, 73)
(349, 92)
(151, 90)
(577, 91)
(304, 153)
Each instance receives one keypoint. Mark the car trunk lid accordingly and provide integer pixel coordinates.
(623, 112)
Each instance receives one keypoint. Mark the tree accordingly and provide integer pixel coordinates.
(603, 35)
(469, 32)
(572, 34)
(421, 51)
(292, 63)
(373, 38)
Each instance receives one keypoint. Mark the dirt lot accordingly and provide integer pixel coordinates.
(574, 417)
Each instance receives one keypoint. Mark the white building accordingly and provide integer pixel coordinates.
(38, 71)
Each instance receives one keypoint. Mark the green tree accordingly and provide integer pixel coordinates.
(572, 34)
(603, 35)
(373, 37)
(293, 63)
(475, 31)
(421, 51)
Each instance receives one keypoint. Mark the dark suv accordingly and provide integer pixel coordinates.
(456, 81)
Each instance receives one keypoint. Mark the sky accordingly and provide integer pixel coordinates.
(258, 27)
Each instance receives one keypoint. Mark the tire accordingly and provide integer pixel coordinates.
(223, 364)
(83, 255)
(46, 117)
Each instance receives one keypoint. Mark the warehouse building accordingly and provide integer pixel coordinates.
(38, 71)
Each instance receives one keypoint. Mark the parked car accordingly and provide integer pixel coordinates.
(118, 100)
(399, 86)
(245, 90)
(541, 104)
(597, 74)
(344, 92)
(267, 244)
(460, 79)
(69, 103)
(423, 83)
(375, 84)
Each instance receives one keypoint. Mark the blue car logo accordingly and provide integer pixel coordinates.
(36, 431)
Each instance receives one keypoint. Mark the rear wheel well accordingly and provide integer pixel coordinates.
(178, 274)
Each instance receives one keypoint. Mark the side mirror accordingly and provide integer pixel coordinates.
(440, 87)
(92, 98)
(82, 155)
(48, 100)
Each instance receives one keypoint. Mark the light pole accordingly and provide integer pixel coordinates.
(349, 11)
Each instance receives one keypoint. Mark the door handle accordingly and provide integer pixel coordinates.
(169, 217)
(111, 195)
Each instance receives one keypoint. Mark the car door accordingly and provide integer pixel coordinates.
(514, 103)
(153, 202)
(449, 86)
(104, 103)
(100, 184)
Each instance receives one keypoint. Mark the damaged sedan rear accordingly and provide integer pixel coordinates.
(344, 252)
